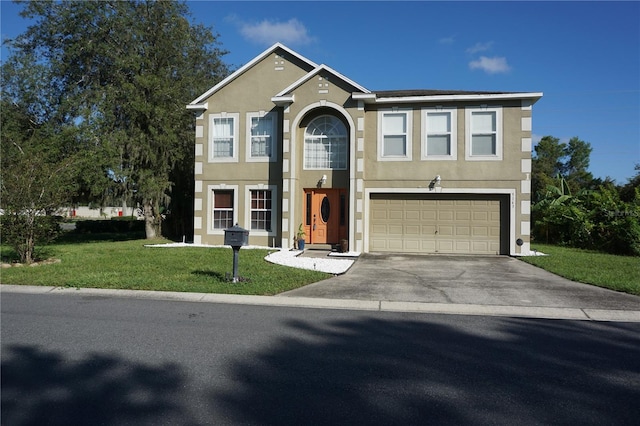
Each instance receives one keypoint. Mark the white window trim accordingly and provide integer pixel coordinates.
(236, 120)
(210, 190)
(409, 115)
(454, 134)
(274, 209)
(274, 139)
(499, 133)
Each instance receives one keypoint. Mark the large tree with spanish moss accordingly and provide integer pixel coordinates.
(124, 71)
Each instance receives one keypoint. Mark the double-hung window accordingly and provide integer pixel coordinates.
(484, 133)
(261, 209)
(394, 135)
(222, 209)
(439, 135)
(261, 134)
(223, 143)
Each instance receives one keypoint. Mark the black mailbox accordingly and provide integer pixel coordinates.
(236, 236)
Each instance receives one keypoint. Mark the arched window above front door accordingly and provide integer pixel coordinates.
(325, 144)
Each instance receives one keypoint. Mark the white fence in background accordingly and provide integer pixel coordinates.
(101, 213)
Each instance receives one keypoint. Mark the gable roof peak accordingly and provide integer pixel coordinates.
(247, 66)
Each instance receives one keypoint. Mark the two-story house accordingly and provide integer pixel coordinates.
(284, 142)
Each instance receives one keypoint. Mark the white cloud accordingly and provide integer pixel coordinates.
(480, 47)
(493, 65)
(447, 40)
(266, 32)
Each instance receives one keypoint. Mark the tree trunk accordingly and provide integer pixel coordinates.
(150, 226)
(152, 222)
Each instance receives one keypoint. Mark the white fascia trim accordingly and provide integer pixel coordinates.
(497, 191)
(440, 98)
(315, 72)
(198, 107)
(248, 65)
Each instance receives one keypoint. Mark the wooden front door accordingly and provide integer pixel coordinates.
(325, 215)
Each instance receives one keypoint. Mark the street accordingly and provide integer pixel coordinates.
(93, 360)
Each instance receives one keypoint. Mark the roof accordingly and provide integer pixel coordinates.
(428, 92)
(361, 93)
(430, 95)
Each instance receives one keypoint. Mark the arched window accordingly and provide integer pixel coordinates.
(325, 144)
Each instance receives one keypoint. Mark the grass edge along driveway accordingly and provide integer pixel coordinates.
(619, 273)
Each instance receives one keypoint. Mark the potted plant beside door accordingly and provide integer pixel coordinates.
(300, 237)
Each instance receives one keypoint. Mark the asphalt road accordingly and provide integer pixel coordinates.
(76, 360)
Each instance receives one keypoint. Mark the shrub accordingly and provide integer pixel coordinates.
(115, 225)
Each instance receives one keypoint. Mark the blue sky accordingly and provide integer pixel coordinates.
(584, 56)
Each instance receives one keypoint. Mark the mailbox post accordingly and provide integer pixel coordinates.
(236, 237)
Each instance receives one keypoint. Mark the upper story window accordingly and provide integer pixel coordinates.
(325, 144)
(439, 134)
(261, 136)
(483, 134)
(394, 135)
(223, 144)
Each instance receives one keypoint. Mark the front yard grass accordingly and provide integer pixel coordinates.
(130, 265)
(620, 273)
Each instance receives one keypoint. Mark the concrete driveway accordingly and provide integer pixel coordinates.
(474, 280)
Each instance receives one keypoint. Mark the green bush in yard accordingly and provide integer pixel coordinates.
(594, 220)
(26, 234)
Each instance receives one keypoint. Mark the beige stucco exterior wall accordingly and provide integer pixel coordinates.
(250, 92)
(510, 174)
(326, 93)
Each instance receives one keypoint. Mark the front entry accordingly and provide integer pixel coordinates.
(325, 219)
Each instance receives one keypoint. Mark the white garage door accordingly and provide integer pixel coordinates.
(409, 224)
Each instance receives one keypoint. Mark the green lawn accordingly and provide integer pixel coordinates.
(620, 273)
(130, 265)
(113, 263)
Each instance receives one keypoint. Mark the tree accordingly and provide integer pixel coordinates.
(546, 165)
(577, 153)
(38, 162)
(126, 70)
(569, 160)
(628, 191)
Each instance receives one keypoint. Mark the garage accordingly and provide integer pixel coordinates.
(438, 223)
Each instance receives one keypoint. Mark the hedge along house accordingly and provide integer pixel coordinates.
(284, 142)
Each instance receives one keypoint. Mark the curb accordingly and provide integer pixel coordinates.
(583, 314)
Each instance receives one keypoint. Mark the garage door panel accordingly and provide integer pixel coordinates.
(479, 231)
(462, 231)
(428, 215)
(435, 225)
(394, 229)
(462, 247)
(412, 215)
(412, 229)
(445, 215)
(395, 214)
